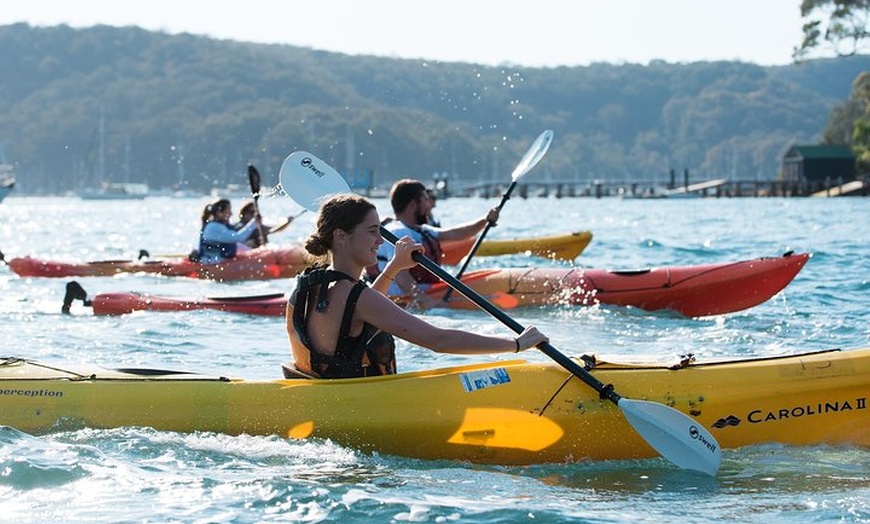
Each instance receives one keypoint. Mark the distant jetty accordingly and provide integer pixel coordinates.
(714, 188)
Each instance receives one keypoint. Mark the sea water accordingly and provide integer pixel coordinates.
(142, 475)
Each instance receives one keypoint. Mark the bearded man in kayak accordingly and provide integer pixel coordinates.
(412, 207)
(340, 328)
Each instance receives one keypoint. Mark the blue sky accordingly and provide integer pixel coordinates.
(542, 33)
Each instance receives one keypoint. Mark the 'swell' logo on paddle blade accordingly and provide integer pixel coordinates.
(698, 435)
(306, 190)
(308, 163)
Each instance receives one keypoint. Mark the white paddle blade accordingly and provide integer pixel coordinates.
(675, 435)
(308, 180)
(533, 155)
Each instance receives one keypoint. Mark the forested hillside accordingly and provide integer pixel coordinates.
(193, 110)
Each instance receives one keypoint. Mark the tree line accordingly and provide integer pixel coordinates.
(82, 106)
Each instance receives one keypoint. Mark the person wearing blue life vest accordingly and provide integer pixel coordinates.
(218, 239)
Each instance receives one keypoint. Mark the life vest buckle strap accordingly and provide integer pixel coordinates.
(321, 279)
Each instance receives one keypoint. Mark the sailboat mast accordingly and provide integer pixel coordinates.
(101, 147)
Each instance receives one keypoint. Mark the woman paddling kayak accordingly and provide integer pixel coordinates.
(260, 236)
(218, 240)
(340, 328)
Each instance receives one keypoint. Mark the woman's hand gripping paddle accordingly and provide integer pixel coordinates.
(533, 155)
(676, 436)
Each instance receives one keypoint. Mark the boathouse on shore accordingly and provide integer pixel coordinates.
(818, 164)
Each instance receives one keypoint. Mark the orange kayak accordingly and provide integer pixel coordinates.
(256, 264)
(694, 291)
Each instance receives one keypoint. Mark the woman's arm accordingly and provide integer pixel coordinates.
(463, 231)
(280, 227)
(396, 270)
(400, 259)
(218, 232)
(379, 311)
(376, 309)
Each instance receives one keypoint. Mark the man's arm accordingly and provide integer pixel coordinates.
(469, 229)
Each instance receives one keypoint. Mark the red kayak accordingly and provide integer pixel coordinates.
(272, 305)
(257, 264)
(694, 291)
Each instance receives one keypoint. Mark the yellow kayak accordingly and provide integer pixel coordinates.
(511, 412)
(566, 246)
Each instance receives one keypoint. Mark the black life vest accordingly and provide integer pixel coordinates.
(432, 250)
(372, 353)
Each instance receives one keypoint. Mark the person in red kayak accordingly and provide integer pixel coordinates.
(218, 239)
(341, 328)
(412, 207)
(260, 237)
